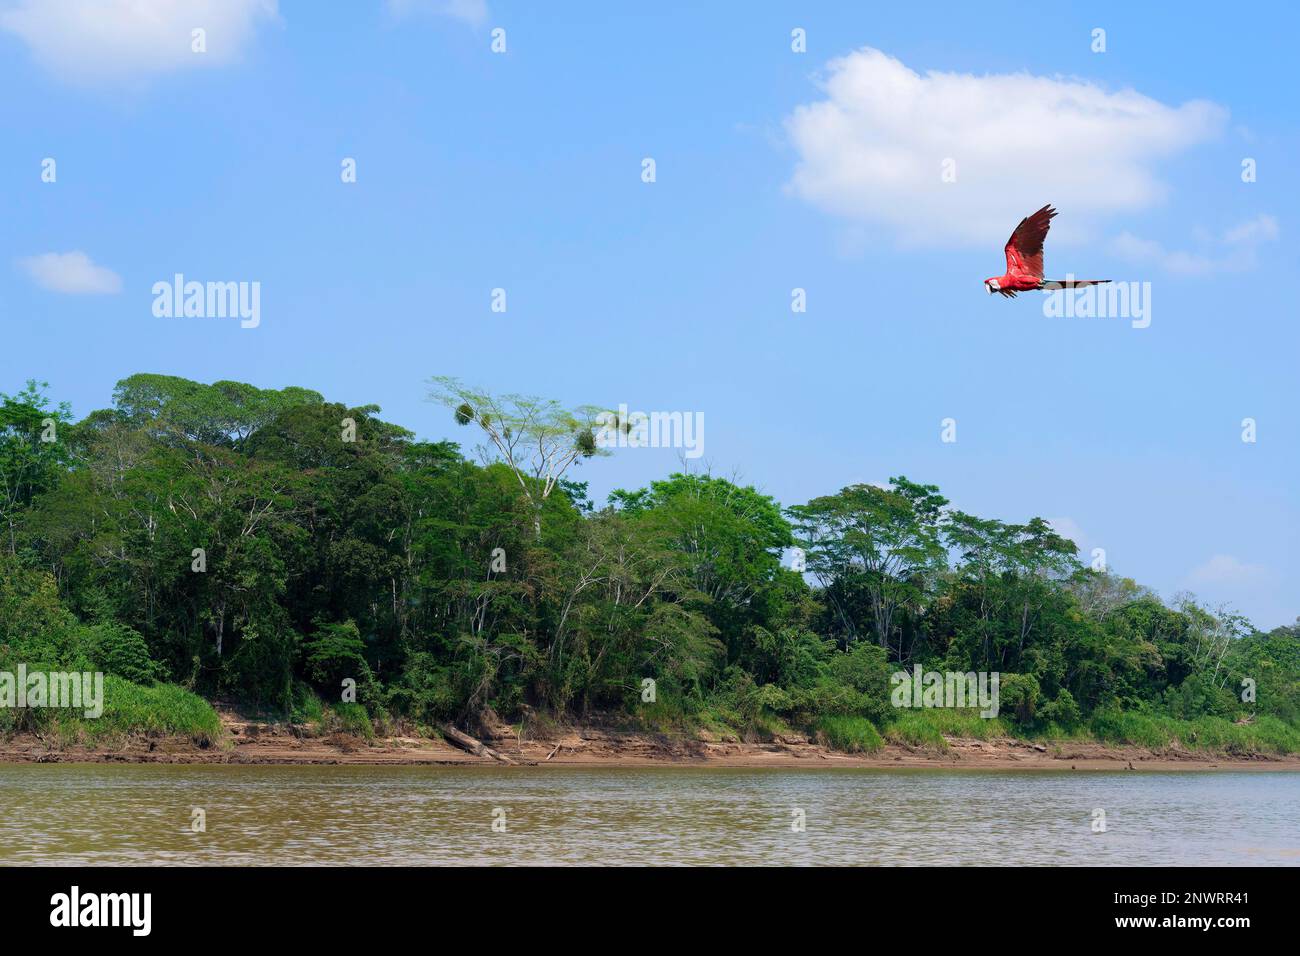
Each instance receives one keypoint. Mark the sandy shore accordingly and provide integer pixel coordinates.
(254, 743)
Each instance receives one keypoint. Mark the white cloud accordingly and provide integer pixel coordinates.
(872, 150)
(72, 273)
(1223, 570)
(1068, 528)
(95, 40)
(1260, 229)
(1234, 251)
(473, 12)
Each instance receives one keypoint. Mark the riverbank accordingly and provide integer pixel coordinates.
(250, 742)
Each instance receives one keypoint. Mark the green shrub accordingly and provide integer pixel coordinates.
(1063, 711)
(121, 650)
(1019, 694)
(335, 652)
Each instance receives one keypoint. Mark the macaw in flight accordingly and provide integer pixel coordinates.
(1025, 260)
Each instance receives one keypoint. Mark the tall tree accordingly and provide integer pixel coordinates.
(31, 453)
(887, 540)
(537, 439)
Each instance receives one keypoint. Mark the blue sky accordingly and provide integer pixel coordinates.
(774, 170)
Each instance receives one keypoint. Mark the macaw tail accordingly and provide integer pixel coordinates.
(1069, 283)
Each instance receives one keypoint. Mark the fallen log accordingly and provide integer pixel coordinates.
(465, 742)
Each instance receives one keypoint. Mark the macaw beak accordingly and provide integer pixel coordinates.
(988, 288)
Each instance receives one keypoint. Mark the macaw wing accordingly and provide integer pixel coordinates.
(1025, 247)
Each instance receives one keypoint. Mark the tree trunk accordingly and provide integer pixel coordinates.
(476, 747)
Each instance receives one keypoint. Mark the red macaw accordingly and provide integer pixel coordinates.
(1025, 259)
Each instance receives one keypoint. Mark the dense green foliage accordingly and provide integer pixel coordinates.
(269, 546)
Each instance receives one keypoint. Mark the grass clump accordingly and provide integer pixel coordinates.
(160, 708)
(854, 735)
(1266, 735)
(128, 708)
(916, 729)
(349, 718)
(965, 722)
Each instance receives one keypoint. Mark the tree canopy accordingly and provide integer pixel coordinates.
(267, 545)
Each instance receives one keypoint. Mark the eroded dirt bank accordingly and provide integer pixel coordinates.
(258, 743)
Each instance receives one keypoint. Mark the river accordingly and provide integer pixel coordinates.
(133, 814)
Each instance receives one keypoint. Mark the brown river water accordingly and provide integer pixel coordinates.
(304, 815)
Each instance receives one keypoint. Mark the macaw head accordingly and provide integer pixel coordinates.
(991, 285)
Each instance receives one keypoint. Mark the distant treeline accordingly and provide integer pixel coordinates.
(268, 546)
